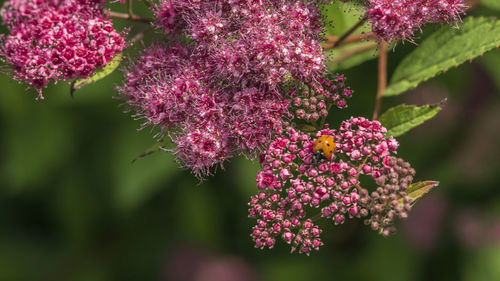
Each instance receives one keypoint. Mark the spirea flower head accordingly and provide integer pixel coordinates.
(229, 79)
(168, 89)
(57, 40)
(260, 42)
(400, 19)
(296, 190)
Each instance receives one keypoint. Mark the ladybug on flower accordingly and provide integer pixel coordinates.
(323, 148)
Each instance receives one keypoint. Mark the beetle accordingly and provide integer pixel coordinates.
(323, 148)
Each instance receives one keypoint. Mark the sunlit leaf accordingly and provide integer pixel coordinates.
(419, 189)
(402, 118)
(100, 74)
(444, 50)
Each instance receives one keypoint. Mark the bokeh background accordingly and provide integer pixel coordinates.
(73, 207)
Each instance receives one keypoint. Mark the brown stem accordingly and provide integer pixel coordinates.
(354, 51)
(129, 8)
(382, 77)
(351, 39)
(349, 32)
(123, 16)
(317, 217)
(139, 35)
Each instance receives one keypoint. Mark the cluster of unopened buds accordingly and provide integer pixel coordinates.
(294, 183)
(315, 102)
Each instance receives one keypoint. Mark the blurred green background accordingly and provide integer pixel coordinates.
(73, 207)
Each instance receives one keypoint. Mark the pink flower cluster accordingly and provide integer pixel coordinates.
(246, 41)
(292, 185)
(168, 88)
(53, 40)
(222, 93)
(399, 19)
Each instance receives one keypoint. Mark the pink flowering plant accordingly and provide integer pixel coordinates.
(231, 78)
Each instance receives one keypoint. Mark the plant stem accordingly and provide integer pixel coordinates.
(382, 77)
(354, 51)
(148, 3)
(129, 8)
(123, 16)
(139, 35)
(156, 147)
(351, 39)
(317, 217)
(349, 32)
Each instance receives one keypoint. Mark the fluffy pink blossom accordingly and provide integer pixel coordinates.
(293, 184)
(400, 19)
(264, 42)
(57, 40)
(229, 79)
(209, 123)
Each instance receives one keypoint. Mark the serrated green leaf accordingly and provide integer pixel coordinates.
(100, 74)
(419, 189)
(493, 4)
(443, 50)
(402, 118)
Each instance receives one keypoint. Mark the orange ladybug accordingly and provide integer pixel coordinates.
(323, 148)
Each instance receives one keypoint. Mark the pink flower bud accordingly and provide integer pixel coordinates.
(346, 200)
(288, 236)
(354, 211)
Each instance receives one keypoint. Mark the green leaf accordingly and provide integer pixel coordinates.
(402, 118)
(100, 74)
(492, 4)
(443, 50)
(419, 189)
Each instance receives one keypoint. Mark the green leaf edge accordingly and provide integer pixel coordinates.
(100, 74)
(426, 112)
(403, 85)
(419, 189)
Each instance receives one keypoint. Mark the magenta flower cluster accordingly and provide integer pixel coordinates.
(400, 19)
(57, 40)
(169, 89)
(247, 41)
(296, 190)
(222, 93)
